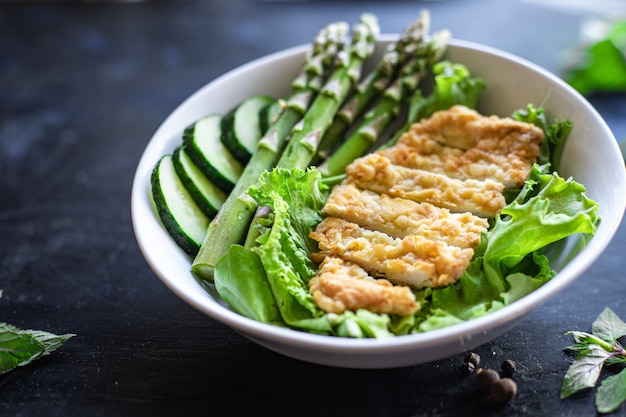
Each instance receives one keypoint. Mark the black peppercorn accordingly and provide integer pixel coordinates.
(508, 367)
(472, 357)
(503, 390)
(485, 378)
(470, 361)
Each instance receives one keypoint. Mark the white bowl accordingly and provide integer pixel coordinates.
(591, 156)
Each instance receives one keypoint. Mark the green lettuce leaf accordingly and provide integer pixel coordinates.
(295, 198)
(555, 133)
(549, 208)
(453, 85)
(241, 281)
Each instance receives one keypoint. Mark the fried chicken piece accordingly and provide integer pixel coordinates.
(413, 260)
(376, 173)
(422, 152)
(339, 286)
(399, 217)
(464, 128)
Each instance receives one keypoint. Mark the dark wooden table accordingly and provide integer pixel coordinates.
(83, 86)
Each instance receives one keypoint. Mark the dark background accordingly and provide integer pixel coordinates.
(83, 86)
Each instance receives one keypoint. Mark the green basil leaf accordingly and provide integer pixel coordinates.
(608, 326)
(584, 371)
(611, 393)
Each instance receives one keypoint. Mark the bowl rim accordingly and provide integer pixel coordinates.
(264, 331)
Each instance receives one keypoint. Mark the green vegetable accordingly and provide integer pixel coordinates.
(21, 347)
(242, 126)
(244, 286)
(204, 193)
(184, 221)
(600, 66)
(555, 134)
(397, 54)
(453, 85)
(285, 248)
(593, 351)
(306, 137)
(206, 150)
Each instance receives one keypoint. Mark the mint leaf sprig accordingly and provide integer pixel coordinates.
(20, 347)
(593, 351)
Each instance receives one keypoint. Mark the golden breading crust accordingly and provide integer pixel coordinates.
(413, 260)
(423, 152)
(399, 217)
(376, 173)
(339, 286)
(464, 128)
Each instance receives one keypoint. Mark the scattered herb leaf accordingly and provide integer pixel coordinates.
(594, 351)
(584, 371)
(609, 326)
(21, 347)
(611, 393)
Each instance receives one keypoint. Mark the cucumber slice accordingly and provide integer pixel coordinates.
(206, 195)
(242, 127)
(182, 218)
(204, 147)
(270, 114)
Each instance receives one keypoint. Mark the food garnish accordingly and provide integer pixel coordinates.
(20, 347)
(593, 352)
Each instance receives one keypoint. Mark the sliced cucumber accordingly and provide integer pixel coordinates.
(242, 127)
(182, 218)
(204, 147)
(206, 195)
(269, 115)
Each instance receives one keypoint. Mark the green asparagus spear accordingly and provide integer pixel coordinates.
(397, 54)
(388, 108)
(453, 85)
(307, 133)
(232, 221)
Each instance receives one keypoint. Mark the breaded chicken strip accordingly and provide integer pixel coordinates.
(413, 260)
(464, 128)
(423, 152)
(399, 217)
(376, 173)
(340, 286)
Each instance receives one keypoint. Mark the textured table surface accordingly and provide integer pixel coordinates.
(83, 86)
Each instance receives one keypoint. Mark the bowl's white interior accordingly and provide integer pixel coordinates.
(591, 156)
